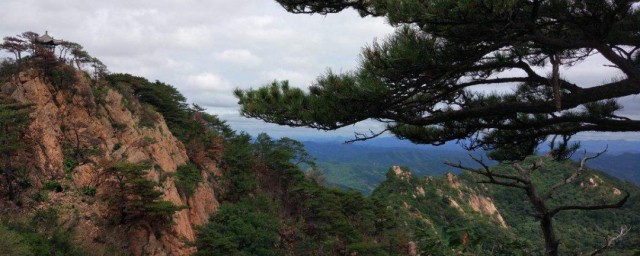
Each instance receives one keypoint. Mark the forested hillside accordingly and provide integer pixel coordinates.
(362, 166)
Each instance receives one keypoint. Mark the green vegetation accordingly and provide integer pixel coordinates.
(14, 119)
(438, 228)
(581, 231)
(53, 185)
(271, 207)
(39, 235)
(263, 178)
(190, 124)
(421, 81)
(188, 177)
(89, 190)
(248, 227)
(136, 198)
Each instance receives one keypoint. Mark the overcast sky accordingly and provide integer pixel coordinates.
(206, 48)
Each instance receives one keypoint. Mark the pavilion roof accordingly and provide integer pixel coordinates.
(47, 39)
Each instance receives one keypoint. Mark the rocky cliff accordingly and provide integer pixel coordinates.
(76, 131)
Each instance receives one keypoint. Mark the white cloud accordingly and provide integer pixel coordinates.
(296, 78)
(240, 57)
(209, 89)
(208, 48)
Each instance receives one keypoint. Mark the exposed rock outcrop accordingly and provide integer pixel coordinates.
(105, 132)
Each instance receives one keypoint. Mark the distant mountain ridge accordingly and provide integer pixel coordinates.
(362, 165)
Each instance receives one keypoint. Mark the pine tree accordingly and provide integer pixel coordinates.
(418, 80)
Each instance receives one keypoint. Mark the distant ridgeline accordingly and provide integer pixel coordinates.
(114, 164)
(362, 165)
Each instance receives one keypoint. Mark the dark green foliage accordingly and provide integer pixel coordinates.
(161, 97)
(579, 231)
(238, 164)
(89, 191)
(61, 76)
(148, 116)
(248, 227)
(190, 124)
(14, 119)
(188, 177)
(421, 81)
(314, 220)
(69, 164)
(135, 197)
(41, 235)
(53, 185)
(13, 243)
(8, 69)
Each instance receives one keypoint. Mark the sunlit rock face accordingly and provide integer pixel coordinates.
(72, 117)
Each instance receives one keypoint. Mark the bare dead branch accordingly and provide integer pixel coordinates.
(481, 162)
(611, 241)
(574, 176)
(363, 137)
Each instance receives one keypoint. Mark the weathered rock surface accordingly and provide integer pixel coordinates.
(107, 132)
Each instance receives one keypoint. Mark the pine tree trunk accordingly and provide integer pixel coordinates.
(550, 241)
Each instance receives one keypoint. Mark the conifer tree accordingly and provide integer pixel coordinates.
(422, 81)
(418, 80)
(136, 197)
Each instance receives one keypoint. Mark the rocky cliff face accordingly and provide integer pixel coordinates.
(101, 130)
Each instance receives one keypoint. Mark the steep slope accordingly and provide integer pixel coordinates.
(79, 129)
(448, 216)
(579, 231)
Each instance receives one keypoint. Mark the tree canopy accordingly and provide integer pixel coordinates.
(422, 80)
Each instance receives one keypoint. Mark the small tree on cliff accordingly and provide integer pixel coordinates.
(418, 80)
(135, 197)
(14, 119)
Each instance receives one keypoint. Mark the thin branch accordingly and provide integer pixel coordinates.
(573, 176)
(363, 137)
(611, 241)
(517, 181)
(591, 207)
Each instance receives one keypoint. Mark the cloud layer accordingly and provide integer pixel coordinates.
(208, 48)
(203, 48)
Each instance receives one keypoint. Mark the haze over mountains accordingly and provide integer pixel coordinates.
(362, 165)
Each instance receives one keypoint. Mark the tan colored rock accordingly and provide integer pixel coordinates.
(485, 206)
(70, 119)
(453, 180)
